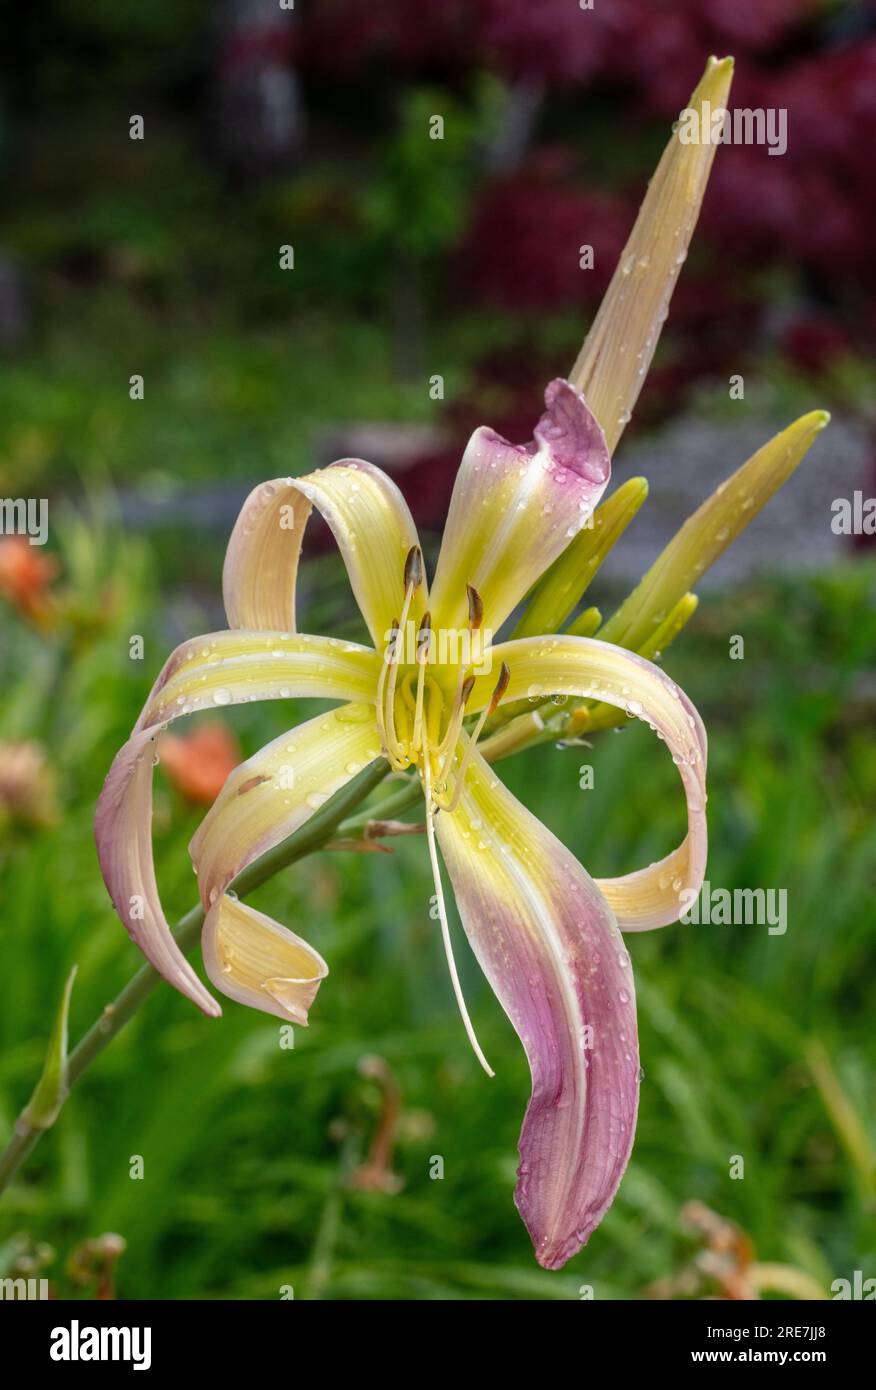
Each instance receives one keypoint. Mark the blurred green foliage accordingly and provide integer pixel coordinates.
(152, 264)
(249, 1148)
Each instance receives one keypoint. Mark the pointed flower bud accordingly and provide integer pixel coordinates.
(707, 534)
(614, 361)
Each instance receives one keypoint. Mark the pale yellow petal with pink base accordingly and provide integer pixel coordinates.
(369, 519)
(257, 962)
(585, 667)
(220, 669)
(276, 791)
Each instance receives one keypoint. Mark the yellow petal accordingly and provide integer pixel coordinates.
(614, 360)
(252, 959)
(261, 561)
(273, 793)
(589, 718)
(230, 667)
(369, 519)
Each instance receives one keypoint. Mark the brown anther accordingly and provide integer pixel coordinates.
(475, 607)
(501, 687)
(468, 686)
(424, 637)
(414, 567)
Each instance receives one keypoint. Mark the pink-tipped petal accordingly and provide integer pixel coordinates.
(548, 943)
(123, 835)
(220, 669)
(515, 508)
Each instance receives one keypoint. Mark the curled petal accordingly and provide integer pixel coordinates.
(123, 834)
(253, 959)
(247, 955)
(260, 573)
(548, 943)
(583, 666)
(370, 521)
(375, 532)
(515, 508)
(224, 668)
(274, 792)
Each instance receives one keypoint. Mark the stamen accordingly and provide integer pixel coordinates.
(501, 687)
(475, 618)
(442, 914)
(398, 757)
(381, 687)
(464, 686)
(422, 658)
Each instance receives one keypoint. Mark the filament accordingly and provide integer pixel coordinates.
(501, 687)
(442, 913)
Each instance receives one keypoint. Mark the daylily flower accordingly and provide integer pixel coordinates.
(547, 934)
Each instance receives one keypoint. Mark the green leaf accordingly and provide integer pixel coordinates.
(50, 1092)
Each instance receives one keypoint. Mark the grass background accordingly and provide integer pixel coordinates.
(144, 259)
(248, 1148)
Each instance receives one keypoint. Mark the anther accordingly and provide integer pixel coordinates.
(414, 567)
(475, 607)
(501, 687)
(389, 658)
(398, 758)
(424, 637)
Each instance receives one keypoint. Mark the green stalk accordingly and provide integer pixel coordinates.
(311, 836)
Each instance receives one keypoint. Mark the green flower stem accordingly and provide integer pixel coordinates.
(320, 827)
